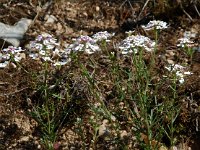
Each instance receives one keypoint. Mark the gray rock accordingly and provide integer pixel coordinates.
(13, 34)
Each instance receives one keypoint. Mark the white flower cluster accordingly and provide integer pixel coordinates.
(130, 32)
(45, 48)
(180, 72)
(155, 24)
(104, 35)
(185, 42)
(10, 54)
(133, 42)
(89, 44)
(84, 43)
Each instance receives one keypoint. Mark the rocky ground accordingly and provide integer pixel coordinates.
(69, 19)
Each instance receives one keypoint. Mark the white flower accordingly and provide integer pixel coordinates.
(34, 55)
(60, 63)
(175, 67)
(104, 35)
(50, 41)
(181, 80)
(67, 51)
(132, 43)
(18, 49)
(155, 24)
(178, 67)
(42, 52)
(50, 46)
(84, 39)
(44, 41)
(6, 56)
(91, 48)
(9, 54)
(37, 46)
(188, 73)
(185, 42)
(17, 58)
(179, 74)
(45, 47)
(179, 71)
(39, 38)
(12, 49)
(84, 43)
(46, 58)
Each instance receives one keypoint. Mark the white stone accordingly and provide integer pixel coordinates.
(13, 34)
(25, 138)
(50, 19)
(170, 61)
(97, 8)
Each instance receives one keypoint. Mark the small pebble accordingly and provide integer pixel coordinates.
(97, 8)
(170, 61)
(50, 19)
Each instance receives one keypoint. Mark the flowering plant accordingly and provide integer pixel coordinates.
(132, 43)
(155, 24)
(84, 43)
(179, 70)
(10, 54)
(45, 47)
(104, 35)
(185, 42)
